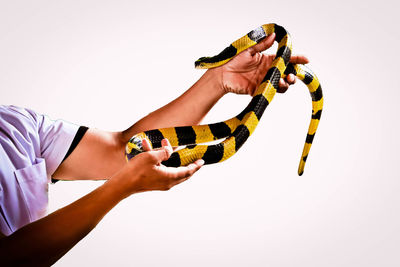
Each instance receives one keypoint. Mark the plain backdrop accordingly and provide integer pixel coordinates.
(106, 64)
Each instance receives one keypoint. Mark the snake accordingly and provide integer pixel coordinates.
(231, 134)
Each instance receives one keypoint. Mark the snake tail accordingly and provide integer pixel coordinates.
(314, 87)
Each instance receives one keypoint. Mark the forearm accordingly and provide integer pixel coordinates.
(100, 154)
(188, 109)
(48, 239)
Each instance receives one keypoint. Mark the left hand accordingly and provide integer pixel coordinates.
(244, 73)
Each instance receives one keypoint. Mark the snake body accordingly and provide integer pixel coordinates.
(235, 131)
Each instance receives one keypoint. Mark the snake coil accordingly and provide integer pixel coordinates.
(236, 130)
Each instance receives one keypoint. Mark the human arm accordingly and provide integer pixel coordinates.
(100, 154)
(241, 75)
(45, 241)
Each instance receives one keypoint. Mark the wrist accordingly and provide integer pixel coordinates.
(126, 182)
(118, 186)
(213, 77)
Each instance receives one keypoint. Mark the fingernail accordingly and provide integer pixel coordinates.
(165, 142)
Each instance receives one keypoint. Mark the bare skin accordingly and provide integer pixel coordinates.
(58, 232)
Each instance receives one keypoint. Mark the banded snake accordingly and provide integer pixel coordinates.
(235, 131)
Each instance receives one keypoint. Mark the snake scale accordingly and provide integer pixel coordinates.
(235, 131)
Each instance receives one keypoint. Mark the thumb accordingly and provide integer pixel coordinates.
(164, 152)
(263, 45)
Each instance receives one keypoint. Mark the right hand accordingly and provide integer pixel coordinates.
(244, 73)
(145, 172)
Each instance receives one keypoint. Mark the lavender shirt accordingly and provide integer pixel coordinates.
(32, 147)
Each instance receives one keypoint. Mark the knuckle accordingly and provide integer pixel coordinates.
(152, 157)
(189, 172)
(169, 186)
(166, 152)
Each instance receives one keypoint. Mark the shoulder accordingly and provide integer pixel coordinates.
(19, 136)
(18, 118)
(36, 135)
(14, 111)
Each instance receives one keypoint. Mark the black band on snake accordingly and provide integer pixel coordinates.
(235, 131)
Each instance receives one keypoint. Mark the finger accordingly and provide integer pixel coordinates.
(199, 162)
(181, 180)
(163, 153)
(186, 171)
(283, 86)
(263, 45)
(265, 65)
(195, 166)
(290, 79)
(167, 145)
(299, 59)
(192, 168)
(146, 145)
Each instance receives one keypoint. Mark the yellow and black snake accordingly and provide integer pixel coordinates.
(235, 131)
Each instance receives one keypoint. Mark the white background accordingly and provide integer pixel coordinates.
(106, 64)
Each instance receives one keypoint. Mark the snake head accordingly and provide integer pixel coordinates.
(134, 146)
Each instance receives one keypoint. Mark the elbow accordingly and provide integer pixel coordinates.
(120, 140)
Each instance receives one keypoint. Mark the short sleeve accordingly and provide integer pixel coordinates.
(56, 137)
(50, 139)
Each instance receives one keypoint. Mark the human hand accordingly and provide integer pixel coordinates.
(145, 172)
(244, 73)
